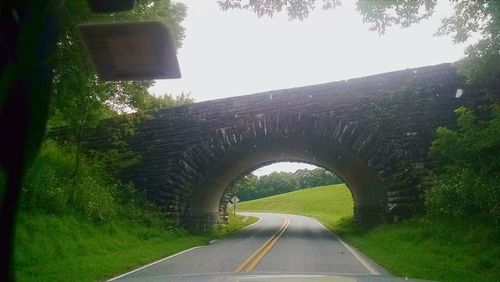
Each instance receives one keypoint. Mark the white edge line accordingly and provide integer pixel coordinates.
(366, 264)
(260, 218)
(171, 256)
(153, 263)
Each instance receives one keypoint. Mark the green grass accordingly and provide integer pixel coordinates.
(332, 204)
(427, 249)
(234, 224)
(419, 248)
(88, 226)
(69, 248)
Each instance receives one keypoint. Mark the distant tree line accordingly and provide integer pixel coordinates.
(250, 186)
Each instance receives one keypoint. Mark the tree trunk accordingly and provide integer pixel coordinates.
(79, 136)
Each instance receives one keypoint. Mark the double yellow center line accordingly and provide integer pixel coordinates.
(261, 252)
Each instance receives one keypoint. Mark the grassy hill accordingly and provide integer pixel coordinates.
(422, 248)
(332, 205)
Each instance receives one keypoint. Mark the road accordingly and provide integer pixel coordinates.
(277, 243)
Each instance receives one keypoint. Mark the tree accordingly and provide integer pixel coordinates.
(467, 173)
(244, 187)
(316, 177)
(482, 59)
(152, 102)
(276, 183)
(80, 97)
(295, 9)
(249, 187)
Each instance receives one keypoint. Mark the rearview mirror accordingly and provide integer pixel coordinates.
(131, 50)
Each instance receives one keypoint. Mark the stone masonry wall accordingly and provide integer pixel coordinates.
(385, 121)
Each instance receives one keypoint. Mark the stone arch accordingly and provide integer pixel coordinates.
(381, 126)
(232, 155)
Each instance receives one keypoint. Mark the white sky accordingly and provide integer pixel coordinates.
(282, 166)
(234, 53)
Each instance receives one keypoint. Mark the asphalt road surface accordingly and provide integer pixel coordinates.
(277, 243)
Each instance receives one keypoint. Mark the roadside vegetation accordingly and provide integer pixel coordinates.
(426, 248)
(77, 222)
(89, 226)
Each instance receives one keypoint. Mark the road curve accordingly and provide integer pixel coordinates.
(278, 243)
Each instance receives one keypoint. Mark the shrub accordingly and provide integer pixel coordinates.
(52, 186)
(466, 181)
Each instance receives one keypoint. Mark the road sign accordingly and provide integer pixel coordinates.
(235, 200)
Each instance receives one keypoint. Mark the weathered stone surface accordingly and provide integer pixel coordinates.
(374, 132)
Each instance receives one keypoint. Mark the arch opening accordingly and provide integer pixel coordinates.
(366, 187)
(300, 175)
(284, 177)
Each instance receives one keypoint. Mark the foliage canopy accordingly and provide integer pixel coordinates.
(467, 171)
(480, 17)
(78, 92)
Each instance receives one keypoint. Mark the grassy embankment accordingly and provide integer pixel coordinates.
(69, 248)
(90, 227)
(419, 248)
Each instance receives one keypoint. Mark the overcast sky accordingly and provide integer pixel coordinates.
(234, 53)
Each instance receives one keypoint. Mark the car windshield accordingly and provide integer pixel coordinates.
(250, 140)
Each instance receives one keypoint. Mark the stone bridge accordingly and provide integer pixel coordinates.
(373, 132)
